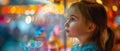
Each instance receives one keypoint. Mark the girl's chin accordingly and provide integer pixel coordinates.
(70, 35)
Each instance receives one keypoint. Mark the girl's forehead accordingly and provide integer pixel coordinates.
(72, 11)
(76, 12)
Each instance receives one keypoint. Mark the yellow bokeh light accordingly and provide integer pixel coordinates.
(115, 8)
(99, 1)
(51, 0)
(53, 8)
(59, 9)
(13, 9)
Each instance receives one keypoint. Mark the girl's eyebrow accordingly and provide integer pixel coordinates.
(74, 16)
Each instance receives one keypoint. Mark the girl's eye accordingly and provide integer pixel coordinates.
(72, 20)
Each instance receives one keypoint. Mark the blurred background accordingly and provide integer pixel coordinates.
(38, 25)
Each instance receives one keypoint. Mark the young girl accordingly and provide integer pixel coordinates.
(88, 22)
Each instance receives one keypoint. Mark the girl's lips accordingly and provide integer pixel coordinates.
(67, 30)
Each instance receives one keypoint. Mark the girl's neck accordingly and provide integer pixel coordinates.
(84, 40)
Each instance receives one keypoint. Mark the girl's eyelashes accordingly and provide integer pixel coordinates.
(72, 19)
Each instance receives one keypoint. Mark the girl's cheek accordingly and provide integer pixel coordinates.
(73, 28)
(72, 24)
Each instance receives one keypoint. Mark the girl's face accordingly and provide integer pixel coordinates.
(75, 24)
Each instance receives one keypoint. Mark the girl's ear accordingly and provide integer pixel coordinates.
(91, 27)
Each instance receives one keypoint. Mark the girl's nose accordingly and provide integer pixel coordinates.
(66, 23)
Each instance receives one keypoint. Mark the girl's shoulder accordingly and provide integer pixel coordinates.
(92, 46)
(75, 47)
